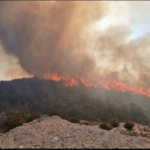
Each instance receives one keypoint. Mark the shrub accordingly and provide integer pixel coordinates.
(128, 125)
(74, 120)
(105, 126)
(114, 122)
(16, 120)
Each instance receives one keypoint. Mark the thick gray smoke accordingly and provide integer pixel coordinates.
(56, 36)
(50, 36)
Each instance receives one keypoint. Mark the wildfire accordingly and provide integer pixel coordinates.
(107, 84)
(86, 82)
(68, 81)
(52, 76)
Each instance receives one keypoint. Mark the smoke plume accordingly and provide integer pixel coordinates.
(50, 36)
(57, 37)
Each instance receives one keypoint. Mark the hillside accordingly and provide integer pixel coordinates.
(54, 132)
(86, 103)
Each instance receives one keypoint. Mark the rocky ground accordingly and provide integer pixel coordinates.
(54, 132)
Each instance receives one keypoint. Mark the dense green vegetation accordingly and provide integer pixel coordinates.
(15, 119)
(85, 103)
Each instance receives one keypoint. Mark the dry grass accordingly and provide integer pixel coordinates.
(84, 123)
(144, 128)
(133, 133)
(94, 123)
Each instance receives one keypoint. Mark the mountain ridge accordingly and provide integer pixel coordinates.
(78, 101)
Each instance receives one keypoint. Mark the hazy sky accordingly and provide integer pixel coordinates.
(127, 20)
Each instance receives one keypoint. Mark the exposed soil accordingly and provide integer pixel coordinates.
(54, 132)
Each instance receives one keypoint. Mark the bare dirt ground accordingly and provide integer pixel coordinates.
(54, 132)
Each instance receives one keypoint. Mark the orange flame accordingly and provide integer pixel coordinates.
(52, 76)
(86, 81)
(55, 77)
(120, 86)
(108, 84)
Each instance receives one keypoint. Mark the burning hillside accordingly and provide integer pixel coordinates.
(106, 83)
(58, 40)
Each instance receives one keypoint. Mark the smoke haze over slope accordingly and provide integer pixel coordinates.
(60, 37)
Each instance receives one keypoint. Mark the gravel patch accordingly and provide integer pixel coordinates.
(54, 132)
